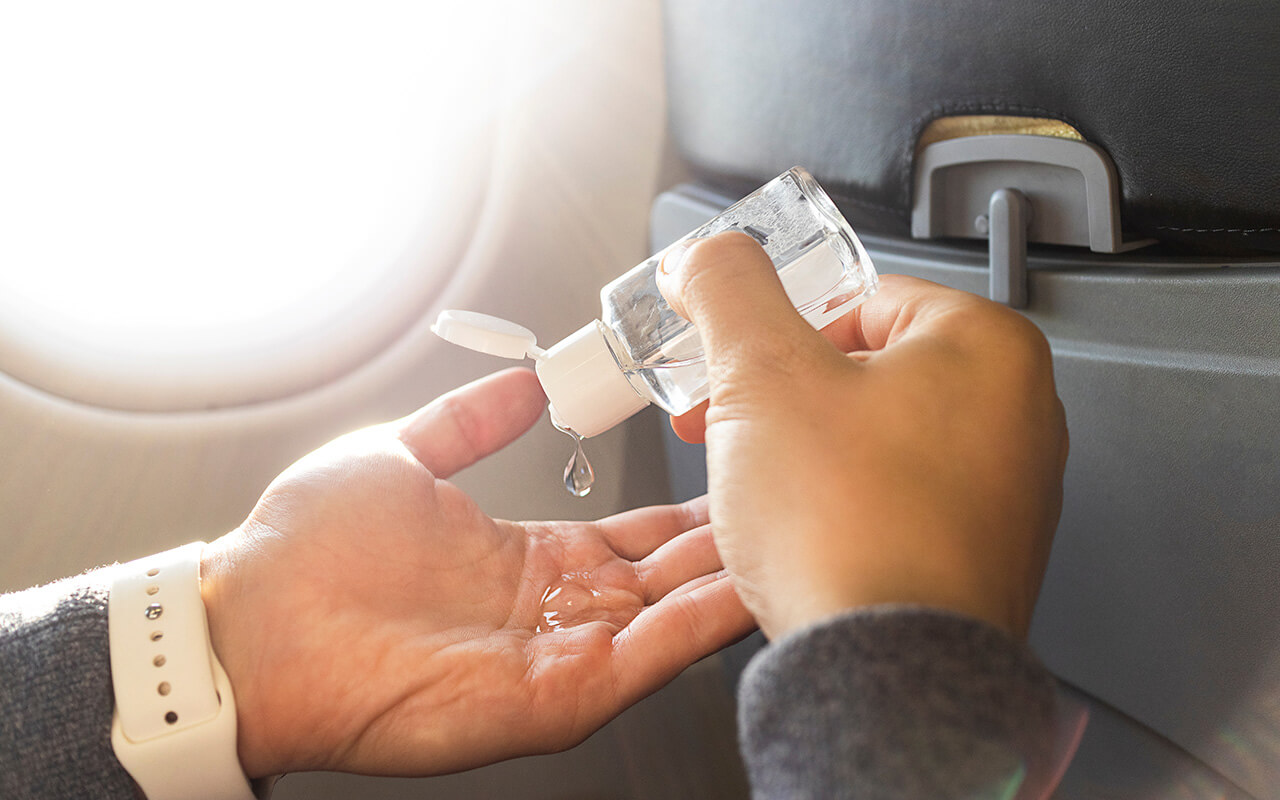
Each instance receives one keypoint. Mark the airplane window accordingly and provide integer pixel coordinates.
(205, 205)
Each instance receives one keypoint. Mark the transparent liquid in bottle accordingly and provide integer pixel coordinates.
(819, 259)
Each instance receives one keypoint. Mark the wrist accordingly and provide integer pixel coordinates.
(174, 718)
(229, 631)
(819, 602)
(817, 583)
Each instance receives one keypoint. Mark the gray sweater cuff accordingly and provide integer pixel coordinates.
(896, 702)
(55, 694)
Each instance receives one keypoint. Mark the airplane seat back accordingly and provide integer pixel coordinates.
(1113, 169)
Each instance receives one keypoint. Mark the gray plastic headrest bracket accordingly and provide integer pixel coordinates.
(1016, 189)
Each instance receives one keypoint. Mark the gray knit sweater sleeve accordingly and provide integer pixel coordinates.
(55, 694)
(896, 703)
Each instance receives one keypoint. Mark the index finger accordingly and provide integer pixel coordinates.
(902, 305)
(636, 533)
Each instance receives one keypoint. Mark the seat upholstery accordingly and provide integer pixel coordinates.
(1181, 94)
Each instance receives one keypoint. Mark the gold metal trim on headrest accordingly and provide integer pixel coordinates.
(991, 124)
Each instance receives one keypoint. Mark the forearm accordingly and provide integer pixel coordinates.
(896, 702)
(55, 694)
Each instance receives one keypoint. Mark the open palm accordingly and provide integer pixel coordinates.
(373, 619)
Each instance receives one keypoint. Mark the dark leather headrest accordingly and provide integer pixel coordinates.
(1182, 95)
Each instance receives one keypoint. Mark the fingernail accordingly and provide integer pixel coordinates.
(674, 257)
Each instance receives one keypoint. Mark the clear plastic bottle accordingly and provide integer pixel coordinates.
(641, 351)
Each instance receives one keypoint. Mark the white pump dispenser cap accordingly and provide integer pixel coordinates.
(588, 391)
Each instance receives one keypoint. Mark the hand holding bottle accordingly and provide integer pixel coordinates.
(912, 452)
(640, 351)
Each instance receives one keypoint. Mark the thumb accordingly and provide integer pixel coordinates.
(458, 429)
(727, 286)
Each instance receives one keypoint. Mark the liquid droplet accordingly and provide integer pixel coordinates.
(578, 474)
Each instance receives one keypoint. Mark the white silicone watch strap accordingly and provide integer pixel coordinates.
(174, 725)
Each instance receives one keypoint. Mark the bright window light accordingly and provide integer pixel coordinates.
(187, 189)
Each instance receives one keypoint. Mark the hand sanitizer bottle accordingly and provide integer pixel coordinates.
(640, 351)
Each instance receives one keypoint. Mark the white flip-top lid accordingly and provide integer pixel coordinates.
(486, 334)
(588, 391)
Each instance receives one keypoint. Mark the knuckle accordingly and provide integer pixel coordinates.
(463, 421)
(997, 330)
(1026, 344)
(1009, 355)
